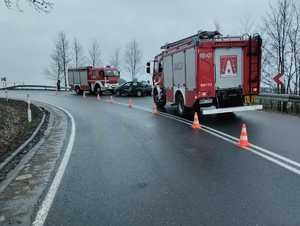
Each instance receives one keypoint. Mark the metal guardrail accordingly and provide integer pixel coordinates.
(263, 96)
(32, 87)
(287, 103)
(280, 97)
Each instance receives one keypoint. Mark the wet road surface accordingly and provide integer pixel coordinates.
(129, 167)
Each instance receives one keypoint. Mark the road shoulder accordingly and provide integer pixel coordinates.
(20, 199)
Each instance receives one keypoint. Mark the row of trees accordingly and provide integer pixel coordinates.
(280, 29)
(281, 48)
(71, 54)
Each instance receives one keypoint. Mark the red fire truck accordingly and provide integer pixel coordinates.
(95, 80)
(208, 72)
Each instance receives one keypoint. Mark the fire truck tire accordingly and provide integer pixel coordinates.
(160, 103)
(97, 90)
(181, 109)
(77, 90)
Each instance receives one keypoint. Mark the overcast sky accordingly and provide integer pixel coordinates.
(27, 38)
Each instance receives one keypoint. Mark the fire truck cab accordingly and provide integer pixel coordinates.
(208, 72)
(95, 80)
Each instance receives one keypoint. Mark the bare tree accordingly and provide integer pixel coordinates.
(294, 41)
(78, 54)
(132, 58)
(115, 58)
(54, 71)
(277, 27)
(63, 45)
(39, 5)
(267, 70)
(95, 54)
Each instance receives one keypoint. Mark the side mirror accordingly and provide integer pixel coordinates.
(148, 67)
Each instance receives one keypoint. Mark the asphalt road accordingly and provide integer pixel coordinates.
(129, 167)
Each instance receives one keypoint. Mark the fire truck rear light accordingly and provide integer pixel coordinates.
(254, 90)
(204, 94)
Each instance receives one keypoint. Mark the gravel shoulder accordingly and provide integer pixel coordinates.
(14, 126)
(24, 188)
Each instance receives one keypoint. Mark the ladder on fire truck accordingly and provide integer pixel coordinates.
(207, 35)
(201, 35)
(255, 61)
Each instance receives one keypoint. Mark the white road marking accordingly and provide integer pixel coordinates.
(267, 157)
(277, 159)
(252, 145)
(47, 202)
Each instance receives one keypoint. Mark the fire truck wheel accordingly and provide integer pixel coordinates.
(181, 109)
(98, 90)
(77, 90)
(160, 103)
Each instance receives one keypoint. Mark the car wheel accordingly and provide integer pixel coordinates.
(118, 93)
(139, 93)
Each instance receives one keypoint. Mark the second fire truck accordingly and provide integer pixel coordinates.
(95, 80)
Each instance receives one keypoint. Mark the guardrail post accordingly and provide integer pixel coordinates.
(6, 95)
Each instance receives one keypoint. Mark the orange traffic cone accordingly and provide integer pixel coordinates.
(196, 124)
(98, 97)
(243, 143)
(130, 104)
(111, 99)
(155, 111)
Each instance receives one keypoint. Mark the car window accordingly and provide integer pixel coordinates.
(128, 84)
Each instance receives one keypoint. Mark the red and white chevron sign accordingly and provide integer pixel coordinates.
(279, 79)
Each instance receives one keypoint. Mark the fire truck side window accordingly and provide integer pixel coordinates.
(160, 66)
(94, 74)
(156, 66)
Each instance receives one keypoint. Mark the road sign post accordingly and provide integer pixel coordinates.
(280, 89)
(279, 81)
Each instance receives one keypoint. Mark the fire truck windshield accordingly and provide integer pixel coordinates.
(112, 73)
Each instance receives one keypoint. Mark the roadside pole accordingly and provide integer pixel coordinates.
(29, 116)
